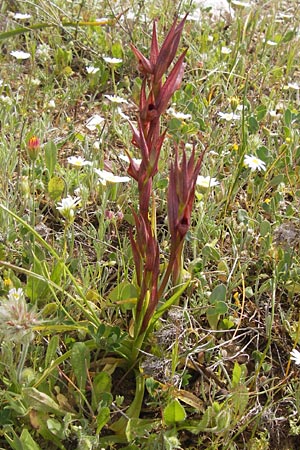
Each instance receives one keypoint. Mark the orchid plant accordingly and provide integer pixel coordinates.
(156, 91)
(152, 280)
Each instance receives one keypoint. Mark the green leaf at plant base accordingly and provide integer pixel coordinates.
(236, 374)
(27, 441)
(139, 428)
(253, 125)
(239, 399)
(174, 412)
(261, 112)
(209, 251)
(289, 35)
(50, 157)
(214, 312)
(101, 384)
(288, 117)
(168, 303)
(133, 412)
(38, 290)
(102, 418)
(125, 294)
(39, 421)
(80, 361)
(218, 294)
(56, 188)
(24, 442)
(55, 427)
(41, 401)
(51, 350)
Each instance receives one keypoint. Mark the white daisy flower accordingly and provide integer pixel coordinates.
(228, 116)
(116, 99)
(254, 163)
(238, 3)
(51, 104)
(112, 61)
(225, 51)
(67, 207)
(295, 356)
(78, 161)
(206, 182)
(15, 294)
(93, 122)
(294, 86)
(19, 54)
(105, 176)
(20, 16)
(92, 70)
(178, 115)
(6, 99)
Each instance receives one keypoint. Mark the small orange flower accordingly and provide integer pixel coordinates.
(33, 147)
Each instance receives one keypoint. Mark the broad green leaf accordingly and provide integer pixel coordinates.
(37, 289)
(240, 398)
(236, 374)
(102, 418)
(218, 294)
(101, 384)
(117, 50)
(80, 361)
(138, 428)
(56, 187)
(50, 157)
(211, 252)
(168, 303)
(55, 427)
(265, 228)
(213, 318)
(261, 112)
(253, 125)
(125, 294)
(288, 117)
(51, 350)
(27, 441)
(174, 412)
(41, 401)
(289, 35)
(220, 308)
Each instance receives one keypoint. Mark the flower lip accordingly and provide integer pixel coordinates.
(254, 163)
